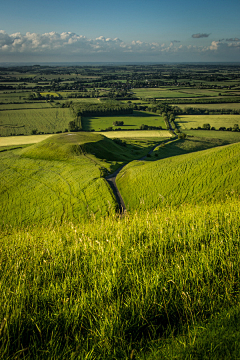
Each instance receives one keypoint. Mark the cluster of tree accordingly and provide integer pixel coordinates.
(149, 127)
(118, 123)
(235, 128)
(103, 109)
(201, 111)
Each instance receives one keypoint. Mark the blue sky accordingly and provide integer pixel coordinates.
(119, 31)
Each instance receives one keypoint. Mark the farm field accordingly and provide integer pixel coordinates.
(132, 121)
(29, 105)
(187, 122)
(50, 120)
(136, 134)
(22, 140)
(173, 92)
(229, 106)
(210, 174)
(228, 137)
(13, 96)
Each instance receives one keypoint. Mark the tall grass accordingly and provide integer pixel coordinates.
(108, 288)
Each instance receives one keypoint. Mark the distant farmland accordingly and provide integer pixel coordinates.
(217, 121)
(16, 122)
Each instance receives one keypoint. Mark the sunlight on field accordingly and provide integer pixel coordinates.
(22, 140)
(136, 134)
(194, 121)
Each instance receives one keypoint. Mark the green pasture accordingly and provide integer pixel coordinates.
(162, 283)
(231, 106)
(131, 121)
(13, 96)
(194, 121)
(227, 137)
(170, 93)
(190, 178)
(24, 121)
(28, 105)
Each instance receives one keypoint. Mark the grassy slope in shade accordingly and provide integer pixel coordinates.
(115, 287)
(208, 174)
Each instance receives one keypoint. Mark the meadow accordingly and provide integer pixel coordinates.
(132, 121)
(210, 174)
(187, 122)
(230, 106)
(162, 284)
(16, 122)
(21, 140)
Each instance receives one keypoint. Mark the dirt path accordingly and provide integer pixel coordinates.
(111, 179)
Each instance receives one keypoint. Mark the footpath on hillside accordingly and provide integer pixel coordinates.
(111, 179)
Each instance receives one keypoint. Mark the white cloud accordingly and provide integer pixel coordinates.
(62, 46)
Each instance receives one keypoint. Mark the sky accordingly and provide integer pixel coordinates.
(119, 31)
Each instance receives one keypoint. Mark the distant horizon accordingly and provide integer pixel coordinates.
(112, 63)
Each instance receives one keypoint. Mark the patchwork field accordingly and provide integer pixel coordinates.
(187, 122)
(172, 93)
(191, 178)
(132, 121)
(16, 122)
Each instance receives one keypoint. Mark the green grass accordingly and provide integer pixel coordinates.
(171, 93)
(132, 121)
(28, 105)
(209, 174)
(210, 107)
(57, 179)
(140, 286)
(226, 137)
(217, 121)
(17, 122)
(61, 177)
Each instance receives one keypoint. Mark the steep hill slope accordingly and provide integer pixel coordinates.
(190, 178)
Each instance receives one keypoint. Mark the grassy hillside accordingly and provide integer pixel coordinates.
(142, 286)
(55, 180)
(62, 177)
(190, 178)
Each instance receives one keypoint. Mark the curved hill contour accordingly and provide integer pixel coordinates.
(202, 176)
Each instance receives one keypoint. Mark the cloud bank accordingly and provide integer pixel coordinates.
(69, 46)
